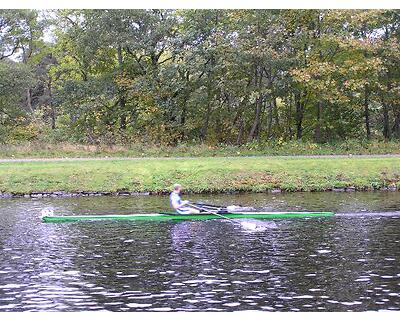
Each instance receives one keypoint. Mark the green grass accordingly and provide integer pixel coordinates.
(44, 150)
(200, 175)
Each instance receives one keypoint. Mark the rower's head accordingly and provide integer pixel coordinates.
(177, 188)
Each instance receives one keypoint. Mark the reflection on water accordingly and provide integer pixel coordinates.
(346, 262)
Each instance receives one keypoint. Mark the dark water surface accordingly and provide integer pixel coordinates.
(346, 262)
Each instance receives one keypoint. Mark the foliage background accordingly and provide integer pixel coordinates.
(211, 77)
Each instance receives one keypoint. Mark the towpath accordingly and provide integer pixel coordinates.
(6, 160)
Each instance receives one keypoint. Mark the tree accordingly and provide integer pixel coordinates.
(212, 76)
(15, 78)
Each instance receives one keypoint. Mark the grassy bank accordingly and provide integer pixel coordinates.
(43, 150)
(201, 175)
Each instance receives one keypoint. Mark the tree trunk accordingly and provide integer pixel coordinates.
(184, 109)
(261, 120)
(299, 117)
(241, 131)
(204, 129)
(53, 118)
(366, 112)
(386, 118)
(276, 113)
(29, 100)
(210, 96)
(218, 127)
(386, 127)
(396, 126)
(258, 104)
(269, 127)
(121, 93)
(53, 115)
(317, 133)
(186, 93)
(256, 121)
(289, 119)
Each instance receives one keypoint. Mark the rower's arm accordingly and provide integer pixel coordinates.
(176, 205)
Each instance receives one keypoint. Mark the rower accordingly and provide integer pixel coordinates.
(178, 204)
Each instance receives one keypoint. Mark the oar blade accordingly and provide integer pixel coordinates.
(248, 225)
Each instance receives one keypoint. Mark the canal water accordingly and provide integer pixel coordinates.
(349, 262)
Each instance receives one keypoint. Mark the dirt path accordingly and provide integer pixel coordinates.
(191, 158)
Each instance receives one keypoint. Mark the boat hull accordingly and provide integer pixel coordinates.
(171, 216)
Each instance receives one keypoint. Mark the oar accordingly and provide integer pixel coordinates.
(208, 205)
(229, 209)
(242, 224)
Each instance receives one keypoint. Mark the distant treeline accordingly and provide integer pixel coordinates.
(191, 76)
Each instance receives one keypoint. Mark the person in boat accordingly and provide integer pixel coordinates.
(179, 205)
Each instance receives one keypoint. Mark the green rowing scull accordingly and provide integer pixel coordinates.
(173, 216)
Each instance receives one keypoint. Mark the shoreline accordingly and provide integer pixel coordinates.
(82, 194)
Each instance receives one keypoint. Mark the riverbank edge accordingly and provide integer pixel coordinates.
(65, 194)
(198, 176)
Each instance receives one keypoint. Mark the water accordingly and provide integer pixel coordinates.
(349, 262)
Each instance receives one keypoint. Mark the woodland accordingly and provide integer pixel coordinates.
(171, 77)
